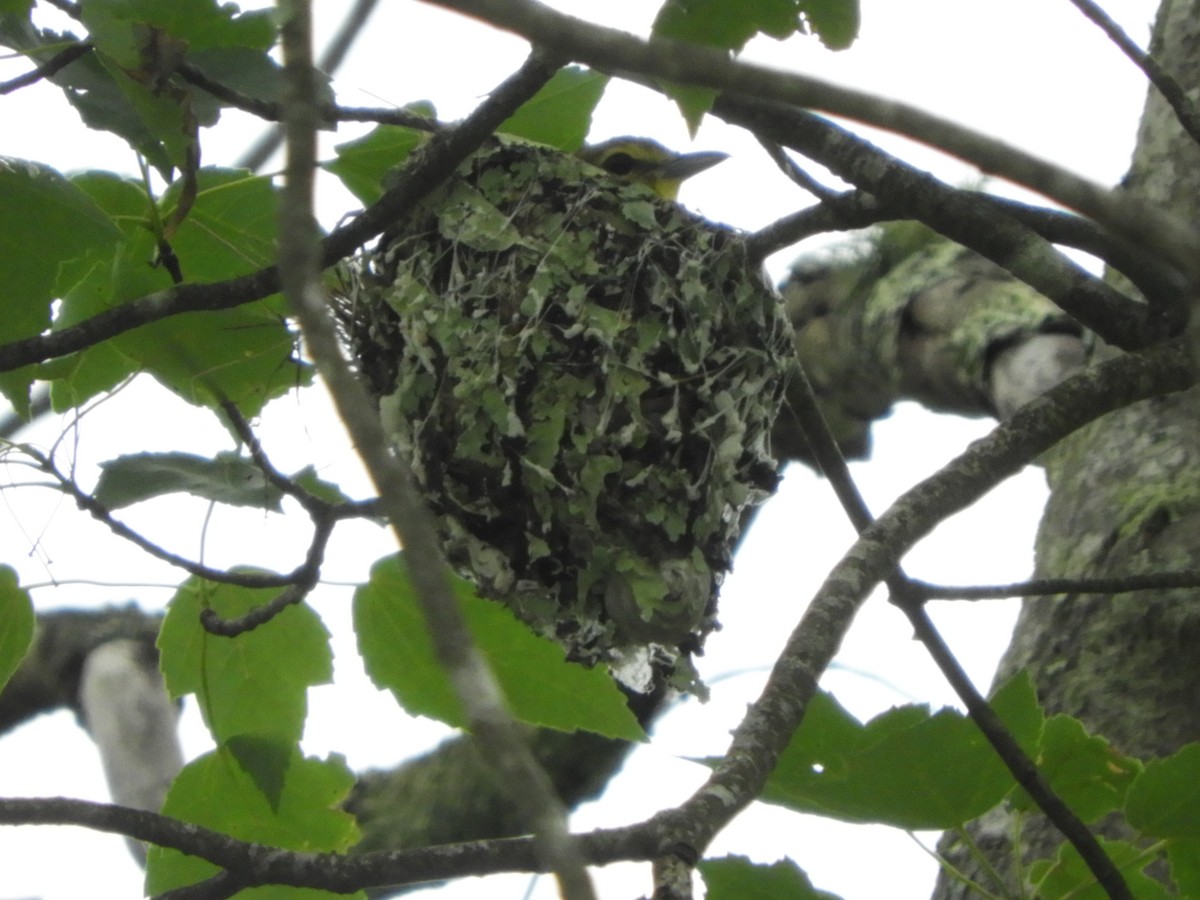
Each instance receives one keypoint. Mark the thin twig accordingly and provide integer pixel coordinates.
(1026, 773)
(1185, 110)
(770, 722)
(215, 624)
(49, 68)
(1046, 587)
(497, 735)
(102, 514)
(271, 111)
(861, 211)
(788, 166)
(331, 60)
(264, 109)
(1015, 759)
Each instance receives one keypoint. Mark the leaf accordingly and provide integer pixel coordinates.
(318, 487)
(560, 114)
(245, 355)
(693, 102)
(725, 24)
(905, 768)
(216, 792)
(86, 287)
(199, 24)
(1068, 876)
(835, 22)
(540, 686)
(252, 684)
(229, 478)
(266, 761)
(89, 84)
(231, 228)
(730, 24)
(167, 121)
(736, 877)
(1184, 857)
(45, 222)
(1163, 800)
(362, 164)
(1083, 770)
(140, 46)
(16, 624)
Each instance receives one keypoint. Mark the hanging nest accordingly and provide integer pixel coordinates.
(583, 378)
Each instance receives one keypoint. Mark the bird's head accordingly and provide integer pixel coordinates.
(648, 162)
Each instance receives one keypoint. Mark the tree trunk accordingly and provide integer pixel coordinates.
(1124, 499)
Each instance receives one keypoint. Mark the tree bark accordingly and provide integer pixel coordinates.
(1124, 499)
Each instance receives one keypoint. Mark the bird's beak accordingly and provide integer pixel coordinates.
(688, 164)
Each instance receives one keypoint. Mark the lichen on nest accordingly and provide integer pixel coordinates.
(583, 378)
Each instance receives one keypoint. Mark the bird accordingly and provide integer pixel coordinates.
(582, 375)
(643, 161)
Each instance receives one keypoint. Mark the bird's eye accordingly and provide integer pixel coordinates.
(619, 163)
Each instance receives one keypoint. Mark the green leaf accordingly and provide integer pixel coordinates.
(693, 102)
(266, 761)
(245, 355)
(1068, 876)
(835, 22)
(730, 24)
(132, 30)
(167, 121)
(540, 686)
(560, 114)
(216, 792)
(1184, 857)
(1083, 770)
(736, 877)
(90, 85)
(16, 624)
(905, 768)
(86, 287)
(252, 684)
(45, 223)
(229, 478)
(725, 24)
(318, 487)
(231, 228)
(1164, 800)
(141, 43)
(363, 163)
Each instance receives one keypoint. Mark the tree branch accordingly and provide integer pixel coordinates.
(656, 61)
(959, 215)
(768, 726)
(1045, 587)
(1023, 769)
(55, 64)
(478, 692)
(255, 864)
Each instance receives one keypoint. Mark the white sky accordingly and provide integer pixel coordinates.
(1030, 71)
